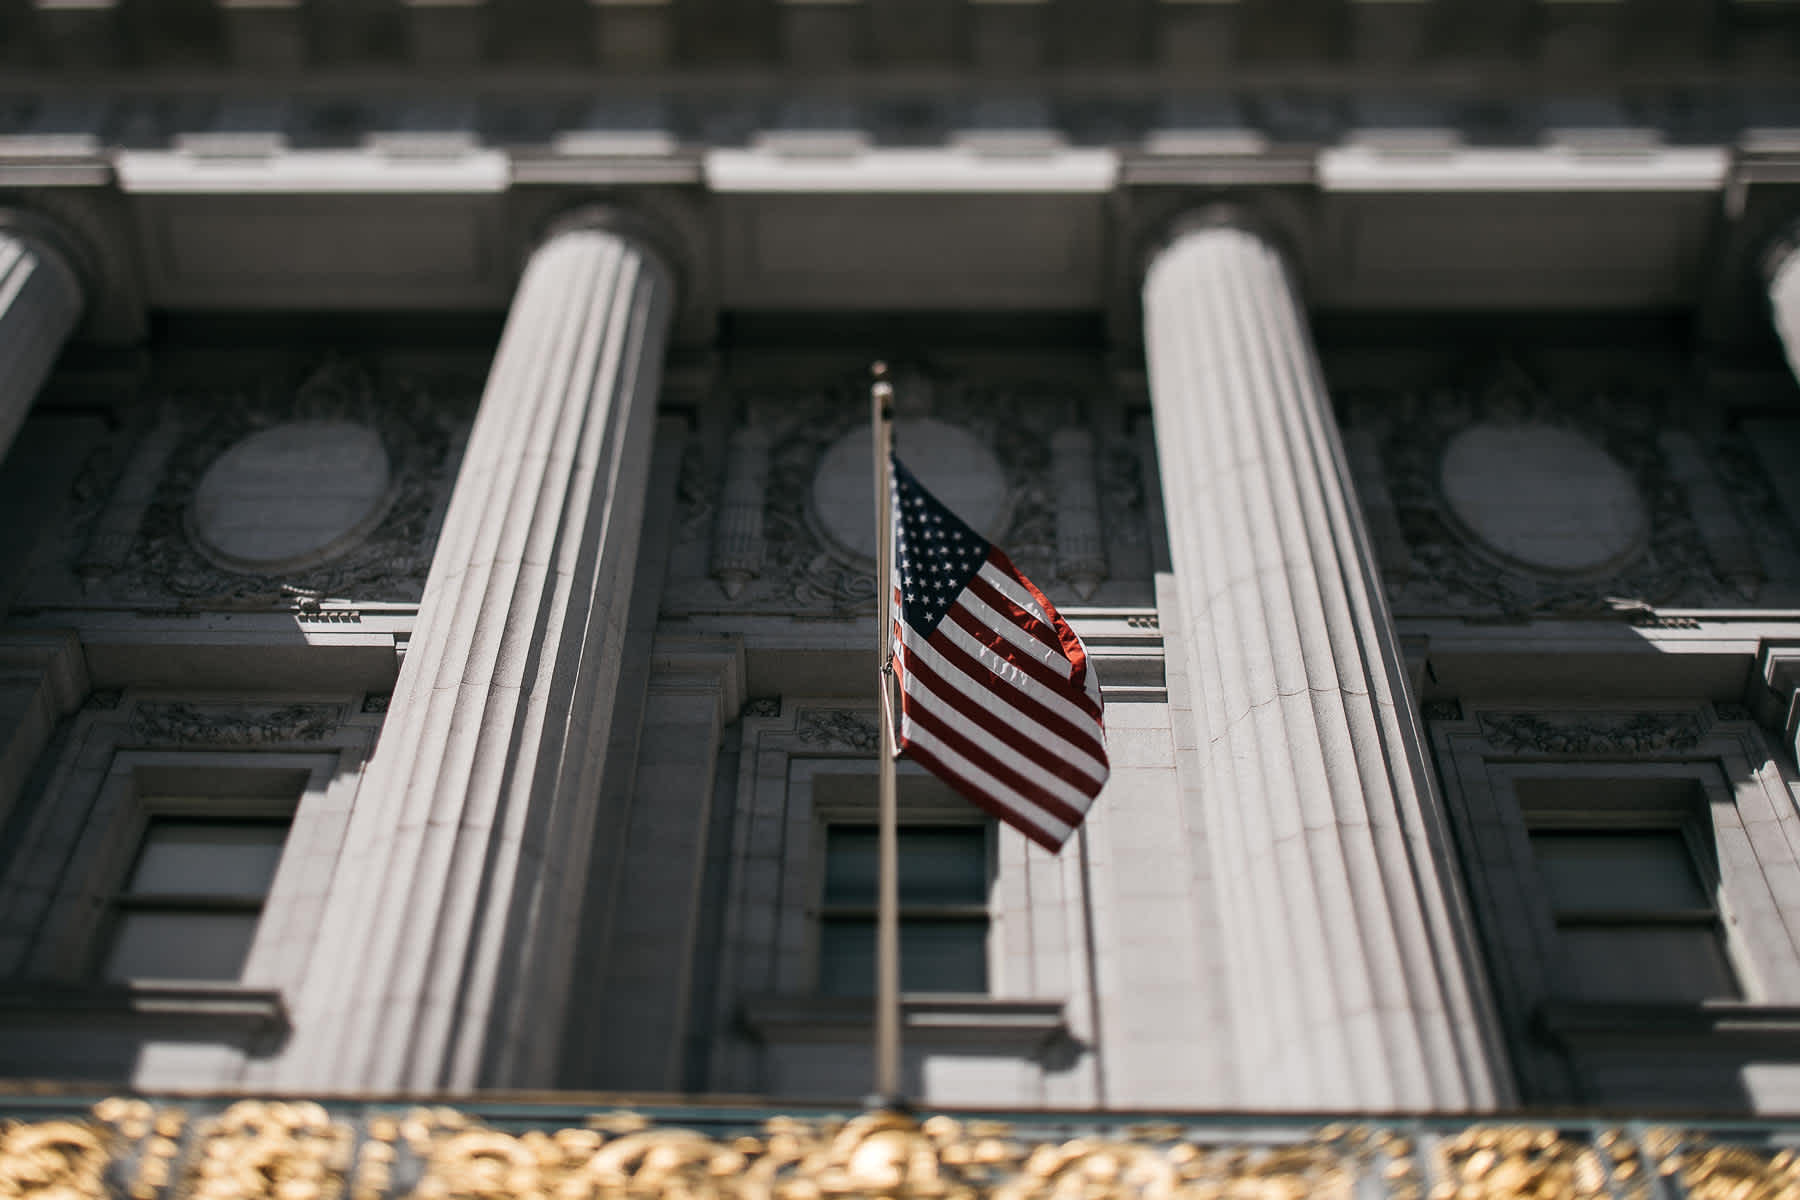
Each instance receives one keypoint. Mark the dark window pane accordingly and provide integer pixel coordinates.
(937, 865)
(847, 957)
(935, 955)
(1665, 964)
(850, 865)
(208, 858)
(1650, 870)
(180, 945)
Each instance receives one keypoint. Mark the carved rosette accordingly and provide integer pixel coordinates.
(737, 556)
(1080, 550)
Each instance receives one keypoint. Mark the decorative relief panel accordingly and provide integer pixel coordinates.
(1513, 497)
(180, 723)
(367, 537)
(1591, 733)
(802, 552)
(302, 1150)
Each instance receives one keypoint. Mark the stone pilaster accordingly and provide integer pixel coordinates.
(445, 952)
(40, 301)
(1348, 950)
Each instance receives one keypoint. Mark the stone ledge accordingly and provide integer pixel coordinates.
(219, 1006)
(1768, 1026)
(939, 1019)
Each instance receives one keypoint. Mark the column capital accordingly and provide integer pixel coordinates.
(62, 249)
(1779, 268)
(1777, 250)
(669, 235)
(1152, 223)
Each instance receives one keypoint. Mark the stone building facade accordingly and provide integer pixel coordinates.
(438, 589)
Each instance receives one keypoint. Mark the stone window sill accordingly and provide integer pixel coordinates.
(1020, 1025)
(211, 1006)
(1710, 1023)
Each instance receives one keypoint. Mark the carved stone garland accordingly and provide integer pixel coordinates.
(1450, 574)
(181, 723)
(419, 423)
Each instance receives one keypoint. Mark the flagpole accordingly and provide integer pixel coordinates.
(887, 913)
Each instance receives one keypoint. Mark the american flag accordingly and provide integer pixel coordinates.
(996, 695)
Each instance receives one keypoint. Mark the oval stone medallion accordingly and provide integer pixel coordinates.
(1544, 497)
(952, 464)
(291, 496)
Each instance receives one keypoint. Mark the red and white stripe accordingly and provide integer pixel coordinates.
(999, 701)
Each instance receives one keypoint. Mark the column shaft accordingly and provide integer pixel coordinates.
(40, 301)
(1349, 955)
(445, 950)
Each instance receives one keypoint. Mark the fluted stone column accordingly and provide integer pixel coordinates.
(40, 301)
(446, 946)
(1349, 957)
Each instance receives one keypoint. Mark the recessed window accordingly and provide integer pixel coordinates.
(943, 909)
(1635, 916)
(190, 906)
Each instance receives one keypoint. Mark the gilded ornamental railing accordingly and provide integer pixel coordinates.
(59, 1147)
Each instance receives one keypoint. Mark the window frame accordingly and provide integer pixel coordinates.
(237, 808)
(1631, 814)
(826, 911)
(1716, 771)
(924, 802)
(142, 784)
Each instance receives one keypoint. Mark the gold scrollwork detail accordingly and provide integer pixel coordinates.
(53, 1160)
(1517, 1161)
(881, 1154)
(1713, 1172)
(270, 1150)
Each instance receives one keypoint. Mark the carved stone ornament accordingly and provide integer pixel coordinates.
(1469, 556)
(803, 568)
(299, 1150)
(180, 723)
(838, 729)
(416, 422)
(1609, 733)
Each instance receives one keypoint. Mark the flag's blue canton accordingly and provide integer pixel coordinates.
(935, 553)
